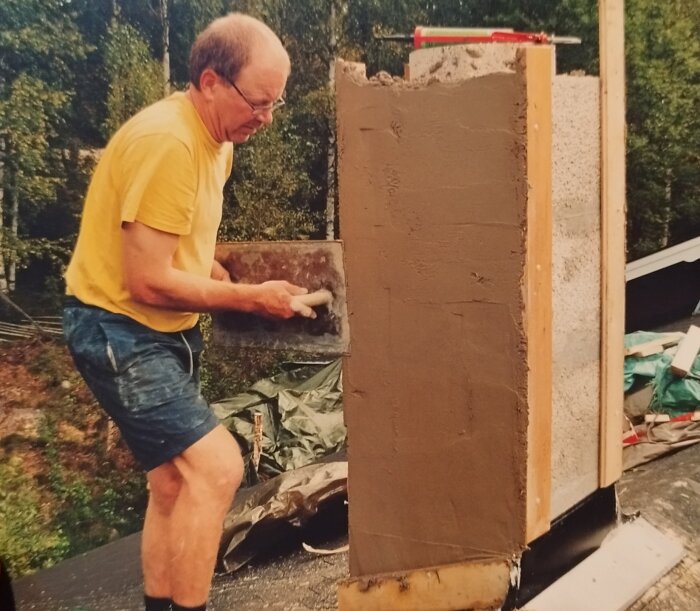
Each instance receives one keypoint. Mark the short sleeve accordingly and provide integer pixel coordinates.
(158, 183)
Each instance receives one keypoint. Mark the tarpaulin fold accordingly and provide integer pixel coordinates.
(302, 418)
(301, 469)
(264, 514)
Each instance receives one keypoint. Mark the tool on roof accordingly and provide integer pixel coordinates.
(429, 36)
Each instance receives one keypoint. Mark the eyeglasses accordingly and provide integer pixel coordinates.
(258, 109)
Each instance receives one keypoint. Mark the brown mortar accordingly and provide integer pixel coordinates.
(433, 196)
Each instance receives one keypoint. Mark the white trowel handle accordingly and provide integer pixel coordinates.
(316, 298)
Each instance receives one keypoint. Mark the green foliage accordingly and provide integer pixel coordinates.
(272, 191)
(136, 79)
(38, 37)
(40, 47)
(43, 523)
(225, 372)
(30, 118)
(69, 498)
(27, 545)
(663, 95)
(188, 18)
(91, 512)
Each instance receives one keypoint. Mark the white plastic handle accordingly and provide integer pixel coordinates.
(316, 298)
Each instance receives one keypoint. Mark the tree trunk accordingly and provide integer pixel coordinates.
(331, 175)
(331, 183)
(14, 227)
(3, 274)
(666, 211)
(165, 33)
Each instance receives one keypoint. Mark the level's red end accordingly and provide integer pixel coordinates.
(417, 37)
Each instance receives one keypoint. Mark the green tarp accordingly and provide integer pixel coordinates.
(302, 418)
(671, 395)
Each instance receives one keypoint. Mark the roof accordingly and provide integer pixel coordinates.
(685, 252)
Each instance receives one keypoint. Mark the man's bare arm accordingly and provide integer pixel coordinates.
(152, 279)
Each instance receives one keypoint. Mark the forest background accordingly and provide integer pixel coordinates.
(71, 71)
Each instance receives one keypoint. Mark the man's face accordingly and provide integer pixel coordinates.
(247, 104)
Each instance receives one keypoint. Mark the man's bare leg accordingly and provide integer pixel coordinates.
(165, 484)
(189, 497)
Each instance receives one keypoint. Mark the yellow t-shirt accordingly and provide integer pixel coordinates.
(163, 169)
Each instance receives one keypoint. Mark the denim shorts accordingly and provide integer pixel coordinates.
(147, 381)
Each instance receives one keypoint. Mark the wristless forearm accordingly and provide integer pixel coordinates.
(180, 290)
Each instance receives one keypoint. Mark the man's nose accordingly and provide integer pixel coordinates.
(265, 116)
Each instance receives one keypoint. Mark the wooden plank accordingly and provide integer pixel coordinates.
(538, 70)
(631, 560)
(467, 585)
(612, 220)
(687, 352)
(654, 346)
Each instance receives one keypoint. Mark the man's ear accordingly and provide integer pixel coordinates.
(207, 80)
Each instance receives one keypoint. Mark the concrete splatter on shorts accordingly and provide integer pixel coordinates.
(146, 380)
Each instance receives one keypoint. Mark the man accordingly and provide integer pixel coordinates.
(144, 266)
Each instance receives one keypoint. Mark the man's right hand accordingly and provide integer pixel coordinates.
(275, 300)
(151, 278)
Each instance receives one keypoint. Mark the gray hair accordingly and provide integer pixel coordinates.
(226, 45)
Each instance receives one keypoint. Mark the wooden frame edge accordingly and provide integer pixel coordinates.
(465, 585)
(537, 72)
(612, 227)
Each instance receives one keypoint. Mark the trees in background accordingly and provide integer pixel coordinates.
(40, 51)
(135, 79)
(72, 70)
(663, 114)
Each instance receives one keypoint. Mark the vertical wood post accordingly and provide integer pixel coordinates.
(538, 286)
(612, 115)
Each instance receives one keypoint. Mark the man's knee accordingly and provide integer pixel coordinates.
(213, 468)
(226, 476)
(164, 485)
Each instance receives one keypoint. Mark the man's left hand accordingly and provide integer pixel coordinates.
(219, 272)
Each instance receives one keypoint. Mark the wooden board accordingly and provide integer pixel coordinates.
(655, 346)
(468, 585)
(683, 361)
(612, 98)
(313, 264)
(538, 70)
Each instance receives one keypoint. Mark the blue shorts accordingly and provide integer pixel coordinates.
(146, 380)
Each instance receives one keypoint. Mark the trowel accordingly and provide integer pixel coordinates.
(316, 265)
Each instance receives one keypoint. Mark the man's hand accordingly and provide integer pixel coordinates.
(219, 272)
(152, 279)
(275, 300)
